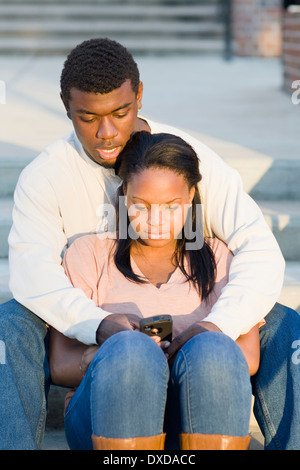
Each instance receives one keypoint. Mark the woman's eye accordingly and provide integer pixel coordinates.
(170, 207)
(140, 208)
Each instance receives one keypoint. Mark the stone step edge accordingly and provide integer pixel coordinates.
(103, 10)
(282, 217)
(290, 295)
(260, 173)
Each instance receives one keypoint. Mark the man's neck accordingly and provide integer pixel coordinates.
(142, 125)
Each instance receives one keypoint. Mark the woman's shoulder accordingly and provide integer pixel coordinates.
(96, 242)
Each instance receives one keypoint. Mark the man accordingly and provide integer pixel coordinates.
(62, 195)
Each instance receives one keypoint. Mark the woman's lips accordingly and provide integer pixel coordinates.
(109, 153)
(159, 235)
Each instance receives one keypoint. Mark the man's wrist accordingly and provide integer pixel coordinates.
(209, 326)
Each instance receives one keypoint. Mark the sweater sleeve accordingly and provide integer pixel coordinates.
(37, 278)
(257, 267)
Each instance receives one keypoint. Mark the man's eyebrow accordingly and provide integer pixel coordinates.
(85, 111)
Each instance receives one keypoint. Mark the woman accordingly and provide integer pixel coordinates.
(133, 390)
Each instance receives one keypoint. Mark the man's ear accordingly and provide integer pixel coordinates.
(139, 95)
(65, 105)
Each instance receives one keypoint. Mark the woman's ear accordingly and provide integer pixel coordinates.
(192, 194)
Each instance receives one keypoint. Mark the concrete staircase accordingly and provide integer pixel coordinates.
(153, 26)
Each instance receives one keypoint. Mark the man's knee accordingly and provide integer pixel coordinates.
(21, 331)
(281, 319)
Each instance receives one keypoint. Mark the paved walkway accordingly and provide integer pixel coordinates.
(239, 101)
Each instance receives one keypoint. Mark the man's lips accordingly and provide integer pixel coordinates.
(109, 153)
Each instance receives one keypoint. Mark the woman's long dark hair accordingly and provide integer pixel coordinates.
(166, 151)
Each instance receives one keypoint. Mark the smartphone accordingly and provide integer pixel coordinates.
(159, 325)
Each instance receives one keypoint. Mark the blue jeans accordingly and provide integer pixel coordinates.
(276, 386)
(24, 379)
(128, 384)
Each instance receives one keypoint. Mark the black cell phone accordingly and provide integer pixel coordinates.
(159, 325)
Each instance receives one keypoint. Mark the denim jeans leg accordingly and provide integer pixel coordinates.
(24, 371)
(123, 393)
(276, 386)
(212, 380)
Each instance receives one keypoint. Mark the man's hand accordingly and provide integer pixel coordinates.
(115, 323)
(185, 336)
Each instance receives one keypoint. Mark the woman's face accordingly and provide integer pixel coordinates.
(157, 203)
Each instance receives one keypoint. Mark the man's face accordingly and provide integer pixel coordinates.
(104, 123)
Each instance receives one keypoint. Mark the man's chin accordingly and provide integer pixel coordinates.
(106, 163)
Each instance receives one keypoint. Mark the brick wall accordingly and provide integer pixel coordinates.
(291, 48)
(256, 27)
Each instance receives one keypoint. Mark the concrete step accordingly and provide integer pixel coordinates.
(28, 9)
(6, 206)
(11, 28)
(290, 294)
(264, 177)
(283, 218)
(108, 2)
(145, 28)
(137, 46)
(55, 437)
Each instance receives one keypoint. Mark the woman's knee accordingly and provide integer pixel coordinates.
(131, 354)
(214, 354)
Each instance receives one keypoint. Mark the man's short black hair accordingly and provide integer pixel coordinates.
(98, 66)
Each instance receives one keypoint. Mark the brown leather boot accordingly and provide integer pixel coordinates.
(133, 443)
(213, 442)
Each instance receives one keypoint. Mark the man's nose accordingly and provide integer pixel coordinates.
(106, 130)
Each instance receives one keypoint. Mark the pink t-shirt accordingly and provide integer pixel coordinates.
(90, 266)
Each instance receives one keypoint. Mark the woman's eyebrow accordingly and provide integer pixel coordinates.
(167, 202)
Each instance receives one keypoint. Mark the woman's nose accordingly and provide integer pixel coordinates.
(155, 215)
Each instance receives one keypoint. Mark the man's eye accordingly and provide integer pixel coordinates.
(87, 120)
(120, 116)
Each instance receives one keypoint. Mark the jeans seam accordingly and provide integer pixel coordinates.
(188, 391)
(267, 418)
(40, 432)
